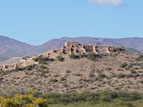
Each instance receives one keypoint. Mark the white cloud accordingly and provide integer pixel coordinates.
(106, 2)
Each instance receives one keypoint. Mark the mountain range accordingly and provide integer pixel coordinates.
(11, 47)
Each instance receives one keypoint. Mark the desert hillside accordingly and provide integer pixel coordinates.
(76, 67)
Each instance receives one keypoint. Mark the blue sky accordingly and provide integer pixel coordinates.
(37, 21)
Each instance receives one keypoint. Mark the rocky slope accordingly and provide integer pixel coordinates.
(78, 67)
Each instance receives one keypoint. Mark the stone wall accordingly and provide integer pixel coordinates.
(20, 64)
(75, 47)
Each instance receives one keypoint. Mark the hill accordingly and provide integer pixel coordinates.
(76, 67)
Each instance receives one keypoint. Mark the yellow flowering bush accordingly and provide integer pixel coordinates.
(27, 100)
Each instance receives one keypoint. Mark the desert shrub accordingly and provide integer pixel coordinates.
(60, 58)
(128, 67)
(30, 67)
(136, 75)
(121, 75)
(42, 60)
(101, 76)
(129, 96)
(77, 74)
(119, 49)
(68, 71)
(129, 76)
(108, 69)
(53, 80)
(141, 81)
(43, 72)
(1, 78)
(19, 68)
(123, 65)
(91, 74)
(26, 57)
(133, 71)
(73, 56)
(139, 58)
(1, 72)
(91, 56)
(120, 69)
(56, 75)
(62, 79)
(107, 96)
(43, 67)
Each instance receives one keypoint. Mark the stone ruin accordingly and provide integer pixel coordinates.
(77, 48)
(67, 49)
(20, 64)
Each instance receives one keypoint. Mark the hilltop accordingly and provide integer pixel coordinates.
(76, 67)
(13, 48)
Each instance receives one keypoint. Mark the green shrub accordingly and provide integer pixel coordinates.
(42, 60)
(91, 74)
(68, 71)
(133, 71)
(62, 79)
(101, 76)
(26, 57)
(108, 69)
(1, 78)
(91, 56)
(30, 67)
(123, 65)
(43, 67)
(77, 74)
(119, 49)
(53, 80)
(73, 56)
(73, 99)
(43, 72)
(60, 58)
(19, 68)
(128, 67)
(139, 58)
(121, 75)
(1, 72)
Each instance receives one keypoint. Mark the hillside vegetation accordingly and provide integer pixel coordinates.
(115, 71)
(72, 99)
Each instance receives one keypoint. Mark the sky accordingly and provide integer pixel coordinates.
(37, 21)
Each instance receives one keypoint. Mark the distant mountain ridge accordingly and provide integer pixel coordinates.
(134, 42)
(10, 47)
